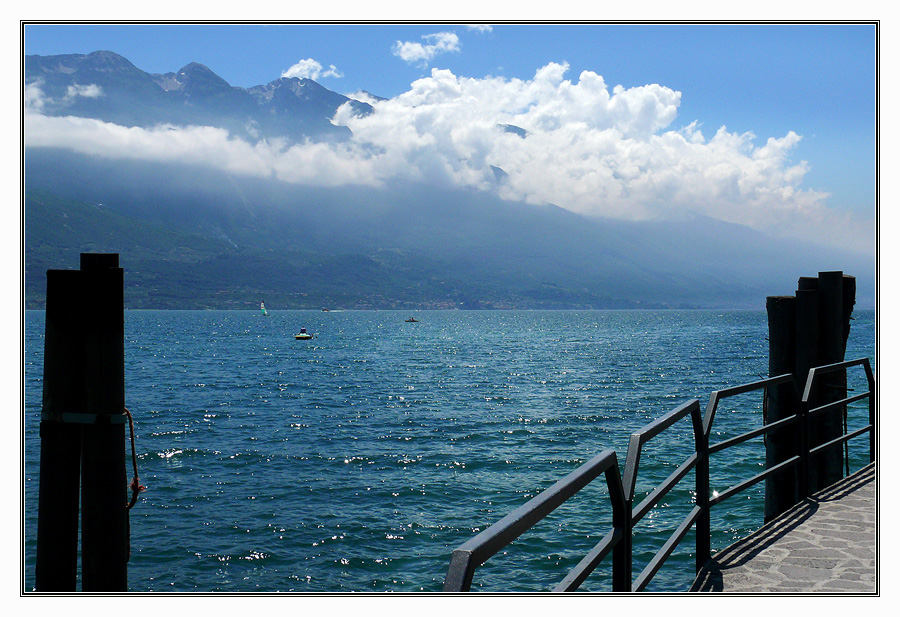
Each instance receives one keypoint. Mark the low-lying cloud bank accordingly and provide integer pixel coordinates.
(579, 145)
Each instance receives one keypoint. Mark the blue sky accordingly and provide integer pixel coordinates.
(818, 81)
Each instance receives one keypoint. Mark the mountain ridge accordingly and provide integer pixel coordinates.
(291, 107)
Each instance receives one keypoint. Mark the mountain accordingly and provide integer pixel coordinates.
(192, 237)
(287, 107)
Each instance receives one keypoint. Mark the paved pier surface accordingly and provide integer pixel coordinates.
(825, 544)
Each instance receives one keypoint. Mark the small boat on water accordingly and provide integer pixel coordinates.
(262, 307)
(412, 320)
(303, 336)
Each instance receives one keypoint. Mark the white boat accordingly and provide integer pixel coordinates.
(303, 336)
(262, 307)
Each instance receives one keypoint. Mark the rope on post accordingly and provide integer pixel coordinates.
(135, 486)
(89, 418)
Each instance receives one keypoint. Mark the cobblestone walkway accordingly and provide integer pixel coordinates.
(825, 544)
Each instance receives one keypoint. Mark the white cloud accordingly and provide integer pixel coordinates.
(590, 149)
(417, 53)
(306, 163)
(90, 91)
(191, 144)
(480, 27)
(587, 148)
(35, 100)
(311, 69)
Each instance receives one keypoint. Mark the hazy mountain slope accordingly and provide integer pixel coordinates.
(245, 239)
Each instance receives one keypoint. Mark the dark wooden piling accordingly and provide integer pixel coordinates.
(104, 523)
(848, 302)
(781, 402)
(833, 386)
(56, 563)
(807, 356)
(83, 428)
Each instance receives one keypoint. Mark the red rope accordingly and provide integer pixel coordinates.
(135, 486)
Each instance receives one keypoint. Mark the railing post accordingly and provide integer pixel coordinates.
(701, 476)
(623, 559)
(460, 572)
(621, 555)
(870, 380)
(803, 471)
(621, 519)
(872, 423)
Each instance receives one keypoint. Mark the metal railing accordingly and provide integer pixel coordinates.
(480, 548)
(635, 446)
(621, 489)
(807, 450)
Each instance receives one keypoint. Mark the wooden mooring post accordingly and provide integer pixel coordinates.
(83, 431)
(807, 330)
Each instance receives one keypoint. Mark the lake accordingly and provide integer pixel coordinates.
(358, 460)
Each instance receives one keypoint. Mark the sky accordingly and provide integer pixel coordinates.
(769, 125)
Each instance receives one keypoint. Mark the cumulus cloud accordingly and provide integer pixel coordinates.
(423, 54)
(311, 69)
(600, 151)
(480, 27)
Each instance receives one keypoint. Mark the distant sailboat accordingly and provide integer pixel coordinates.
(262, 307)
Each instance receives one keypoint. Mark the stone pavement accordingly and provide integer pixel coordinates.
(825, 544)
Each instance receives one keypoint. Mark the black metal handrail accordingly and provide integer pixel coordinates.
(479, 549)
(621, 489)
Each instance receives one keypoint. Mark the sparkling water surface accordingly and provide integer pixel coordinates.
(357, 461)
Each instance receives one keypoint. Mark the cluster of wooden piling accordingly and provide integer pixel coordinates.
(83, 431)
(807, 330)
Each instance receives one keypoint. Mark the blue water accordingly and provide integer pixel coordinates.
(358, 460)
